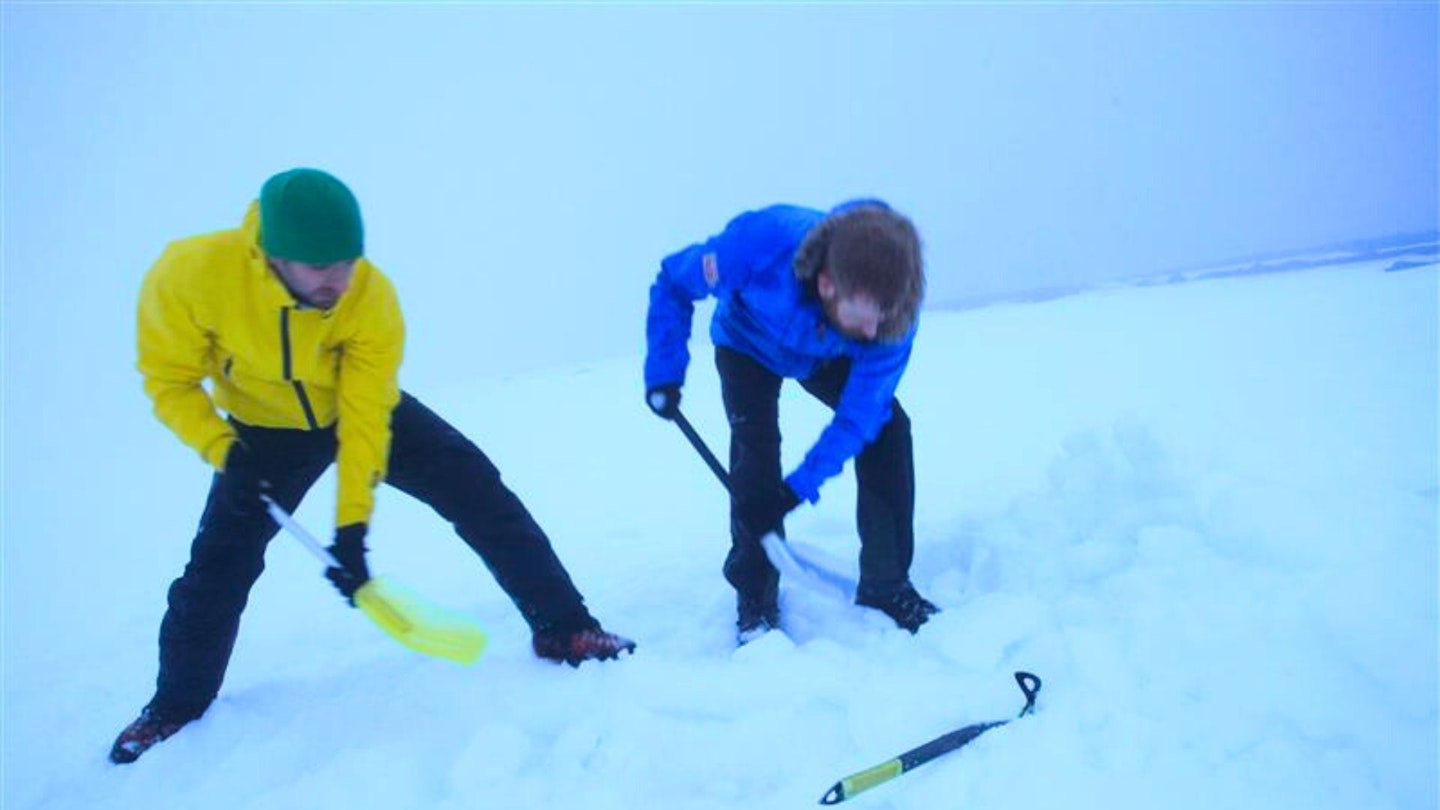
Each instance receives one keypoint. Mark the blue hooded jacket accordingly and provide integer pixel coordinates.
(765, 312)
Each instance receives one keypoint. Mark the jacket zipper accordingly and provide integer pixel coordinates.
(286, 368)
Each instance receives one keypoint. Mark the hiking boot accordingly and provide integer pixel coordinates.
(149, 728)
(756, 617)
(908, 608)
(590, 644)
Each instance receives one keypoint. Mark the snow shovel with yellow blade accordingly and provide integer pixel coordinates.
(405, 615)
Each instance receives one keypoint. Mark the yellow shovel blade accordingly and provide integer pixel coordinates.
(419, 624)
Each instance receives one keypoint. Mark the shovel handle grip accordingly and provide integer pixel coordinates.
(299, 532)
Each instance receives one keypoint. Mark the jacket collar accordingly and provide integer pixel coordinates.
(272, 290)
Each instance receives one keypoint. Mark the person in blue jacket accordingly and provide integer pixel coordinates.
(830, 299)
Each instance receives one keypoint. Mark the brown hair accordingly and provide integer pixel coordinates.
(873, 250)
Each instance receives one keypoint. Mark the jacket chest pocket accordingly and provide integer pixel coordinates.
(316, 364)
(307, 354)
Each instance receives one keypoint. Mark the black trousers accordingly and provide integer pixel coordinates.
(884, 472)
(429, 460)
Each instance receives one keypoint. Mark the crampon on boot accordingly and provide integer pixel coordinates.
(908, 608)
(149, 728)
(591, 644)
(755, 618)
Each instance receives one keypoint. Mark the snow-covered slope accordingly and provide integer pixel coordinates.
(1204, 513)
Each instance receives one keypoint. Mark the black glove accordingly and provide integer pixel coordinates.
(349, 550)
(770, 517)
(664, 400)
(242, 481)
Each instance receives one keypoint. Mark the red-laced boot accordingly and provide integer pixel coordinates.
(149, 728)
(591, 644)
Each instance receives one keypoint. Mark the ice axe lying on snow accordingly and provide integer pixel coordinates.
(782, 555)
(406, 616)
(853, 784)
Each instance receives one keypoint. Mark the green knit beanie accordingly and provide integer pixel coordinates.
(309, 216)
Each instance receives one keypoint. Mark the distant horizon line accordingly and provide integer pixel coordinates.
(1399, 246)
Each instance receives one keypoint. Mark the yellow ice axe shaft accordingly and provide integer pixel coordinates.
(403, 614)
(860, 781)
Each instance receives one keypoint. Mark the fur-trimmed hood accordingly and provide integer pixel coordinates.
(867, 245)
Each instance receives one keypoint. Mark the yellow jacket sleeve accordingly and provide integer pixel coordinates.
(174, 351)
(368, 389)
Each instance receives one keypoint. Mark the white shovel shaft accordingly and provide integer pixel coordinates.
(790, 564)
(283, 518)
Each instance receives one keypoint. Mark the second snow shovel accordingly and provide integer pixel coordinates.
(780, 553)
(403, 614)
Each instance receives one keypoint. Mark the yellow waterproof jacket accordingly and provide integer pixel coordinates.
(211, 308)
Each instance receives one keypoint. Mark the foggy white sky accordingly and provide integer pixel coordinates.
(523, 168)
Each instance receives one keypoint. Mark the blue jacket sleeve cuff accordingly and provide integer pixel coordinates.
(809, 491)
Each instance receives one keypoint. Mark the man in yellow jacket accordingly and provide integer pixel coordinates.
(300, 339)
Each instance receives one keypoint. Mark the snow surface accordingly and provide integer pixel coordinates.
(1204, 513)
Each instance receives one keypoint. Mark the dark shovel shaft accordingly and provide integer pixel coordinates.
(702, 448)
(778, 554)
